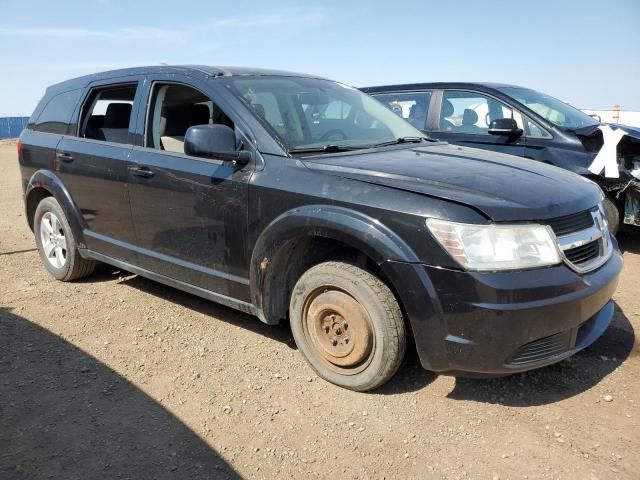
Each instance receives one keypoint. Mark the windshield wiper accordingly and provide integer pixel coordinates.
(334, 148)
(399, 140)
(325, 149)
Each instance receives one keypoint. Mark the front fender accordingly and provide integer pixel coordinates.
(49, 181)
(352, 228)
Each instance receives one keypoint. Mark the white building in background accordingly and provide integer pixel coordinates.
(616, 115)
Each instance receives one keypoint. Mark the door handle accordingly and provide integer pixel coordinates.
(65, 157)
(143, 172)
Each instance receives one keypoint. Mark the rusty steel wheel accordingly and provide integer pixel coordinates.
(348, 325)
(340, 329)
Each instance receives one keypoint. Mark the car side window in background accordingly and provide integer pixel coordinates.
(106, 114)
(56, 115)
(413, 107)
(472, 112)
(173, 110)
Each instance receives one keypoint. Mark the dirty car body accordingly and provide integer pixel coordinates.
(241, 228)
(548, 130)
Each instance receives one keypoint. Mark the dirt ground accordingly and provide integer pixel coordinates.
(116, 376)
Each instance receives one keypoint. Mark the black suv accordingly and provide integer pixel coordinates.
(298, 198)
(520, 121)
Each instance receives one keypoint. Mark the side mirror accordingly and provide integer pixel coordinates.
(214, 141)
(505, 126)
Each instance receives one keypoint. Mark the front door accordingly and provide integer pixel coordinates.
(465, 117)
(190, 213)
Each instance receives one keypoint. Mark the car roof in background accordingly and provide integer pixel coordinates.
(437, 85)
(202, 71)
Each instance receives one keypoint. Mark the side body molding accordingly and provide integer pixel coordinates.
(352, 228)
(49, 181)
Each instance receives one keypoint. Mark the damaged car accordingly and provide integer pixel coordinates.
(524, 122)
(302, 200)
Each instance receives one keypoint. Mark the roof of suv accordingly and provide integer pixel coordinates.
(434, 85)
(193, 70)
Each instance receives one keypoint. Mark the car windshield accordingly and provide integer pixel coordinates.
(559, 113)
(315, 115)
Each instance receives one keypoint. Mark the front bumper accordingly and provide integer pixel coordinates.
(506, 322)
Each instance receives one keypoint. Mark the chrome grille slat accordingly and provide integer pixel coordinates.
(571, 223)
(583, 240)
(583, 253)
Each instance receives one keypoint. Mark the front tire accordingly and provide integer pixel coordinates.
(348, 325)
(56, 245)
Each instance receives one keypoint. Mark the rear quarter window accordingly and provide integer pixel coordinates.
(56, 114)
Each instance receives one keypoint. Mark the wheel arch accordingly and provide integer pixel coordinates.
(43, 184)
(305, 236)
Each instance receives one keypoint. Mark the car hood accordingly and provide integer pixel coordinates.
(502, 187)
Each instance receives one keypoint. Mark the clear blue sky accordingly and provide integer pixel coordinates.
(584, 52)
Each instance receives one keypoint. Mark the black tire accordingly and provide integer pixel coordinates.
(333, 300)
(613, 215)
(73, 266)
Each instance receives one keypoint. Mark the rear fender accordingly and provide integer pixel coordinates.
(49, 181)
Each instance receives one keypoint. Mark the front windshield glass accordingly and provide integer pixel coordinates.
(555, 111)
(309, 113)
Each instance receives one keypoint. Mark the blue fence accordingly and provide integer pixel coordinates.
(11, 127)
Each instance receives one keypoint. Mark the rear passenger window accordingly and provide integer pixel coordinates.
(173, 109)
(106, 114)
(410, 106)
(56, 115)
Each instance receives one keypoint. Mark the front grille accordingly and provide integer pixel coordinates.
(584, 253)
(571, 223)
(541, 349)
(583, 239)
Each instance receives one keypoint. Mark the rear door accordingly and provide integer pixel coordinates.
(464, 116)
(93, 164)
(190, 213)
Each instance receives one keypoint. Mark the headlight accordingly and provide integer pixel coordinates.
(496, 247)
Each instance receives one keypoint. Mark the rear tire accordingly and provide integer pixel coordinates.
(613, 215)
(348, 325)
(56, 245)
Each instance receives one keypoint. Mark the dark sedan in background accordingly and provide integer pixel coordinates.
(520, 121)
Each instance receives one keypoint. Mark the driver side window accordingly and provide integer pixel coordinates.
(472, 112)
(173, 109)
